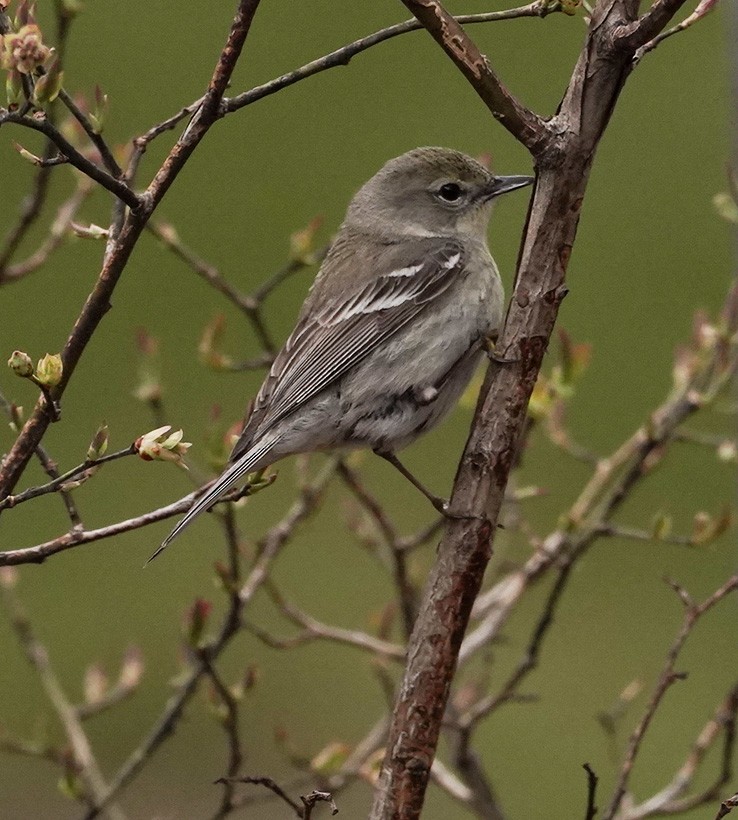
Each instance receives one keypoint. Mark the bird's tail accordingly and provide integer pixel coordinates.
(253, 459)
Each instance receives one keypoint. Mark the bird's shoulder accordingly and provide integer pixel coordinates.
(358, 259)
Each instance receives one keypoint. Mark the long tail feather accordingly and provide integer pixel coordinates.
(248, 462)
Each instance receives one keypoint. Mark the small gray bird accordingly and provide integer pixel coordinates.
(394, 324)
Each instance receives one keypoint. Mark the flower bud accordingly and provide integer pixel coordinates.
(302, 242)
(156, 445)
(195, 621)
(27, 155)
(99, 444)
(91, 231)
(49, 370)
(47, 87)
(96, 683)
(23, 50)
(21, 364)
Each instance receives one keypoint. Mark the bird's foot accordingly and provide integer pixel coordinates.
(444, 507)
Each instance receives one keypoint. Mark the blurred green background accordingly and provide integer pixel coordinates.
(649, 251)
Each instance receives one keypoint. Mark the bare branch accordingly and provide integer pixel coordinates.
(637, 34)
(669, 800)
(667, 678)
(59, 229)
(78, 160)
(522, 123)
(122, 242)
(343, 55)
(303, 507)
(591, 810)
(38, 657)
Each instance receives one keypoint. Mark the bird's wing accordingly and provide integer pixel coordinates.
(329, 341)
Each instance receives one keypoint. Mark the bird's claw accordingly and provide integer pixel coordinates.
(490, 348)
(444, 507)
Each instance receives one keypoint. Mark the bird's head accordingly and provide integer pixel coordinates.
(429, 192)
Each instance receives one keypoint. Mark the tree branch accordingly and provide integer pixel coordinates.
(634, 35)
(523, 124)
(75, 158)
(98, 302)
(693, 612)
(454, 582)
(342, 56)
(38, 657)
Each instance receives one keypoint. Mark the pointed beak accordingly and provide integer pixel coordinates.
(501, 185)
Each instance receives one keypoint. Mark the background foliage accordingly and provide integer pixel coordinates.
(649, 251)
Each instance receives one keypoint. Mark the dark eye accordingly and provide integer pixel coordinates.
(450, 192)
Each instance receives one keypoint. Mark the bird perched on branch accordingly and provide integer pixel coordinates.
(394, 324)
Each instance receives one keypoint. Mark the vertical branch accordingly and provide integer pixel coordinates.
(564, 151)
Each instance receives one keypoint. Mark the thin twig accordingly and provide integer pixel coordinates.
(268, 783)
(38, 657)
(77, 159)
(273, 541)
(64, 478)
(313, 629)
(343, 55)
(692, 613)
(669, 800)
(231, 729)
(95, 137)
(591, 809)
(58, 231)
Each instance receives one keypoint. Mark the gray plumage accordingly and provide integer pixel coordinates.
(394, 324)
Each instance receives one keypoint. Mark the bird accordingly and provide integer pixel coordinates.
(394, 325)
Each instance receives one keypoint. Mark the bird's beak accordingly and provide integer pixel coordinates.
(501, 185)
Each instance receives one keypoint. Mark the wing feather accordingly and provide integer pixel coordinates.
(328, 342)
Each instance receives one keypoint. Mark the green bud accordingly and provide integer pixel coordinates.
(570, 7)
(49, 370)
(21, 364)
(90, 231)
(99, 444)
(99, 114)
(661, 526)
(302, 242)
(726, 207)
(27, 155)
(71, 8)
(13, 89)
(48, 86)
(70, 785)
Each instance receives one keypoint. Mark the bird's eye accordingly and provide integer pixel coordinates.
(450, 192)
